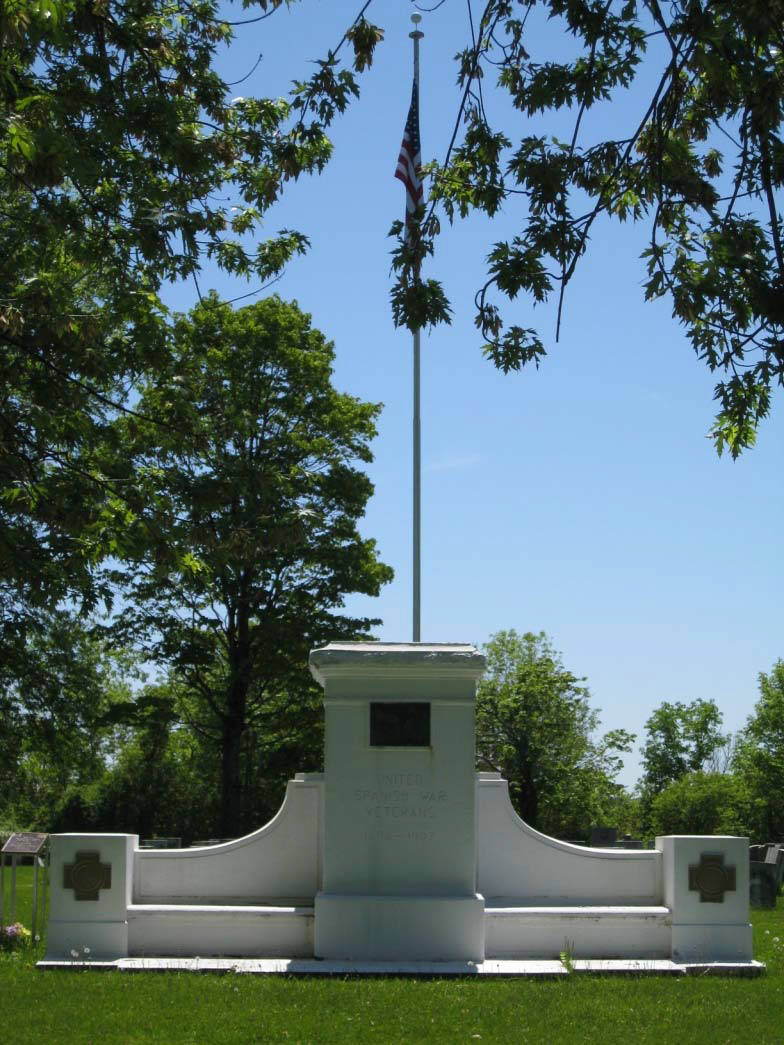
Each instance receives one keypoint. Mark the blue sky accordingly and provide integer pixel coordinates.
(582, 499)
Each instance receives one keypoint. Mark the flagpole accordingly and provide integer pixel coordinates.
(416, 35)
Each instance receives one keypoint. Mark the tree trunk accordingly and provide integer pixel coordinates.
(528, 796)
(231, 779)
(235, 719)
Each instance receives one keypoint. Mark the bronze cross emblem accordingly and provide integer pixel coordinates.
(87, 875)
(711, 878)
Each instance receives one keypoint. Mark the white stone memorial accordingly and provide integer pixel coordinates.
(399, 875)
(400, 856)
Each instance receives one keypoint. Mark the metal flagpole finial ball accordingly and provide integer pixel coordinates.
(417, 33)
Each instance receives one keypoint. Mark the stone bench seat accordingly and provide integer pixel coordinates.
(584, 931)
(141, 909)
(513, 930)
(223, 930)
(507, 907)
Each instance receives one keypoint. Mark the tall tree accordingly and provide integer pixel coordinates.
(681, 739)
(759, 758)
(124, 164)
(535, 725)
(701, 162)
(245, 541)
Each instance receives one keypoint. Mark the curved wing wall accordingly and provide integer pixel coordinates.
(279, 863)
(515, 863)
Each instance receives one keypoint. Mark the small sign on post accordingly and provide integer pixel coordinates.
(23, 843)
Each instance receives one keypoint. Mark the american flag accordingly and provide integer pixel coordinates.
(409, 162)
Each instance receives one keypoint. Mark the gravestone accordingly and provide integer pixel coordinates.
(765, 876)
(399, 875)
(603, 836)
(779, 860)
(762, 884)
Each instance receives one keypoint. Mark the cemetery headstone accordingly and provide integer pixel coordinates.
(775, 858)
(765, 878)
(603, 836)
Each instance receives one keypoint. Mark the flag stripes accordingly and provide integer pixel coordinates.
(409, 162)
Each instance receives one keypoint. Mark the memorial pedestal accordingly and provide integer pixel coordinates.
(385, 928)
(399, 803)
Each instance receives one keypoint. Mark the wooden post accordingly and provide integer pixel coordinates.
(34, 915)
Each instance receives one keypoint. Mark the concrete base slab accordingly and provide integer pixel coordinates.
(627, 966)
(333, 967)
(750, 968)
(663, 967)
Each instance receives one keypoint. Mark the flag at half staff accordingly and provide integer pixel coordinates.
(409, 162)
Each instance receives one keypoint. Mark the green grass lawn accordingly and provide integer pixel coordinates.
(108, 1007)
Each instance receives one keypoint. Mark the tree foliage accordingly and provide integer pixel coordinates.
(701, 804)
(241, 531)
(701, 162)
(681, 739)
(535, 725)
(162, 781)
(759, 758)
(53, 707)
(125, 163)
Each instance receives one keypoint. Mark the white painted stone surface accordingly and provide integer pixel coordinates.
(518, 863)
(401, 859)
(99, 925)
(278, 864)
(399, 820)
(185, 929)
(582, 932)
(703, 931)
(489, 967)
(399, 874)
(384, 928)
